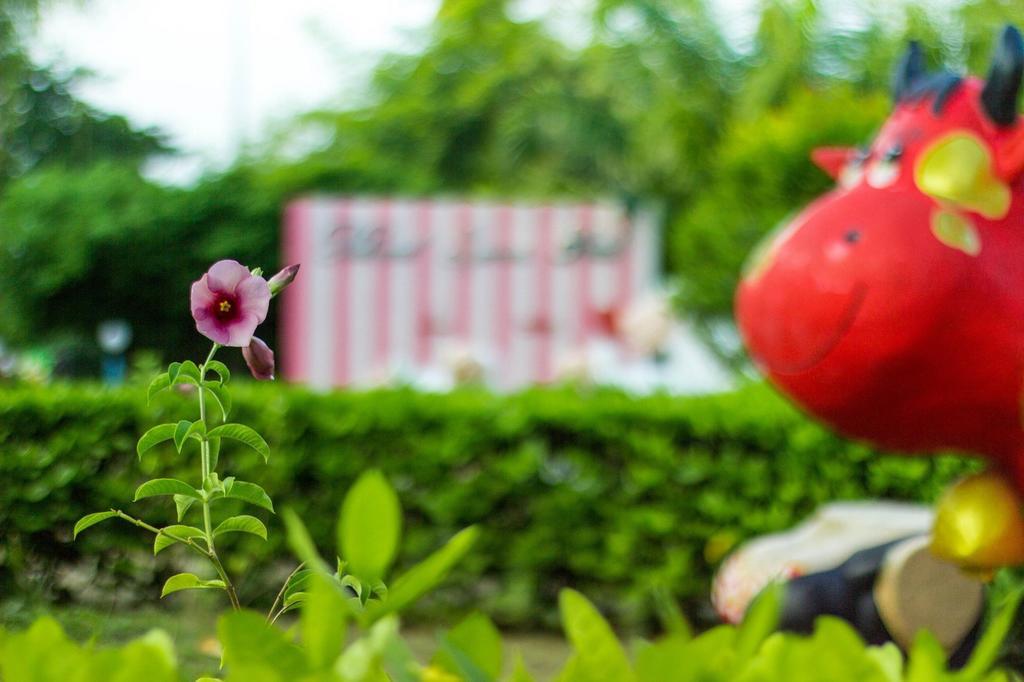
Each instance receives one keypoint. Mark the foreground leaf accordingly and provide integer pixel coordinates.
(987, 650)
(472, 649)
(424, 576)
(598, 653)
(760, 620)
(189, 581)
(251, 648)
(91, 520)
(323, 621)
(370, 526)
(301, 543)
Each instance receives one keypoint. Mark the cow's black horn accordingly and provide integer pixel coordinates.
(999, 97)
(910, 68)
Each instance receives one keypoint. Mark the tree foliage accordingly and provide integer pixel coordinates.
(655, 100)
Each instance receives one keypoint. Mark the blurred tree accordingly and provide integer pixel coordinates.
(491, 105)
(40, 119)
(83, 245)
(663, 100)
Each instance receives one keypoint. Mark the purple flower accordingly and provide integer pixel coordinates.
(229, 302)
(282, 279)
(260, 358)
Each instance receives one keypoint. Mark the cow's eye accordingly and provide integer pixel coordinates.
(854, 169)
(884, 172)
(894, 153)
(852, 236)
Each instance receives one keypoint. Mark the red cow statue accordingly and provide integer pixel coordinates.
(892, 308)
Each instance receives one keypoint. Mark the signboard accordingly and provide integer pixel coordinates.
(392, 288)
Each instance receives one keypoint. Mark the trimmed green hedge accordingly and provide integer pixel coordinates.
(611, 495)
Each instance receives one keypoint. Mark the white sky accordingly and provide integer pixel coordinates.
(215, 73)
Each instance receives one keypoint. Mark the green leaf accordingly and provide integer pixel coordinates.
(160, 382)
(91, 520)
(181, 432)
(660, 661)
(183, 503)
(424, 576)
(370, 526)
(155, 435)
(519, 672)
(300, 542)
(927, 659)
(165, 486)
(987, 650)
(761, 619)
(460, 663)
(188, 373)
(889, 660)
(197, 430)
(294, 600)
(172, 371)
(220, 369)
(673, 621)
(242, 524)
(379, 656)
(213, 486)
(599, 654)
(189, 581)
(248, 492)
(472, 649)
(251, 648)
(299, 582)
(219, 394)
(242, 434)
(353, 583)
(164, 540)
(214, 445)
(323, 621)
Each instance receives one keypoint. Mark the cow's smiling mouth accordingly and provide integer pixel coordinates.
(822, 351)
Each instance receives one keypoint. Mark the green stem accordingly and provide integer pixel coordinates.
(204, 449)
(159, 531)
(270, 614)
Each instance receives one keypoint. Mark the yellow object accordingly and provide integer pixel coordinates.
(956, 231)
(434, 674)
(978, 524)
(958, 169)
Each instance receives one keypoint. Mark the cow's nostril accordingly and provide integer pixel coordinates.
(852, 237)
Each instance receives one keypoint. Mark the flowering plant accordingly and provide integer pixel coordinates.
(228, 303)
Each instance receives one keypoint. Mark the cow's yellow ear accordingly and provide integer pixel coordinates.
(958, 169)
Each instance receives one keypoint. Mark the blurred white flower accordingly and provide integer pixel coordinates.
(646, 324)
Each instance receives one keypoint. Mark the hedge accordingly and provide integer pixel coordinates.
(611, 495)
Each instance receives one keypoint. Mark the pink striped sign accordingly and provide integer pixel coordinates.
(390, 287)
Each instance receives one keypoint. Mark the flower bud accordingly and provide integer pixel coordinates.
(282, 279)
(260, 358)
